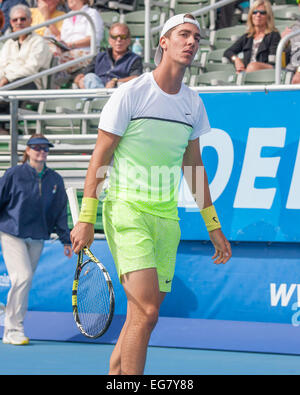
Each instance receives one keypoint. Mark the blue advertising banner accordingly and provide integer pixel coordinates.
(252, 158)
(259, 284)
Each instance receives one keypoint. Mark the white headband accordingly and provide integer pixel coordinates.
(172, 22)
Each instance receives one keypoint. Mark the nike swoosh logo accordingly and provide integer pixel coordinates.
(215, 219)
(168, 281)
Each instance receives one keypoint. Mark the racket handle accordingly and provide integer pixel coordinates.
(74, 208)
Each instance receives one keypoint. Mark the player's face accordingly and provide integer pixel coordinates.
(183, 43)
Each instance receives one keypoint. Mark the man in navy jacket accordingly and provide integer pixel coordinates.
(117, 64)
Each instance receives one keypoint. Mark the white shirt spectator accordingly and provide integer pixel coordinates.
(78, 27)
(19, 61)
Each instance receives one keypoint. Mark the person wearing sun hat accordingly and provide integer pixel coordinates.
(150, 124)
(33, 204)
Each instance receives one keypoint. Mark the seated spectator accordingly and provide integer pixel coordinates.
(76, 33)
(6, 6)
(294, 62)
(45, 10)
(259, 42)
(116, 65)
(24, 56)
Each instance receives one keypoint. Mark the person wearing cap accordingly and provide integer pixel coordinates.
(33, 204)
(150, 127)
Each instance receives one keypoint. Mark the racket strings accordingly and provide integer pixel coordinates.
(93, 299)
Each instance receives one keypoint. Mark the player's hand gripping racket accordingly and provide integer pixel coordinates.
(93, 298)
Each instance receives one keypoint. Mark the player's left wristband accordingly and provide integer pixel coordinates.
(210, 218)
(88, 212)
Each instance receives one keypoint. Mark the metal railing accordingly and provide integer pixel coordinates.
(279, 51)
(52, 70)
(14, 96)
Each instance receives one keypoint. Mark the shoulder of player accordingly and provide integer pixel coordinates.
(192, 94)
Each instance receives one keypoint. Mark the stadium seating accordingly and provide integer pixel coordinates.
(287, 12)
(223, 38)
(60, 106)
(91, 107)
(260, 77)
(214, 78)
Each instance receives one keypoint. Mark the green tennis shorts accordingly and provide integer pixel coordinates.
(138, 240)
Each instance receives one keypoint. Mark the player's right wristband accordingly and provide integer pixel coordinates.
(210, 218)
(88, 212)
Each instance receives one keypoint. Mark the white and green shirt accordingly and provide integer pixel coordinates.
(155, 128)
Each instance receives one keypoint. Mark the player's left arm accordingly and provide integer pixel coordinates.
(196, 178)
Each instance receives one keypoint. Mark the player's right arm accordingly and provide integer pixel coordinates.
(83, 233)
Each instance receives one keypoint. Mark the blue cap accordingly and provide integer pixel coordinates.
(39, 140)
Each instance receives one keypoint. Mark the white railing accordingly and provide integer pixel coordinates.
(12, 157)
(280, 49)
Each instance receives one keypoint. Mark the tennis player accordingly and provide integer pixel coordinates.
(150, 127)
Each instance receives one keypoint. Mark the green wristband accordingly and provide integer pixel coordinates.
(210, 218)
(88, 212)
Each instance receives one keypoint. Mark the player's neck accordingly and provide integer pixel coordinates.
(169, 79)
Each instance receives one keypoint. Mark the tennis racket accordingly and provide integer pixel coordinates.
(93, 298)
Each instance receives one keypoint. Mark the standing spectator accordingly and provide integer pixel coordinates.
(5, 7)
(294, 63)
(76, 33)
(259, 42)
(117, 64)
(33, 204)
(45, 10)
(24, 56)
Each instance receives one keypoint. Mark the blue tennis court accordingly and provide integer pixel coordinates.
(67, 358)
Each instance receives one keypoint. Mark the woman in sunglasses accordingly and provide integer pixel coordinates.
(258, 45)
(33, 204)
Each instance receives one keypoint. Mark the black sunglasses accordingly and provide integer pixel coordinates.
(259, 12)
(22, 19)
(39, 148)
(121, 36)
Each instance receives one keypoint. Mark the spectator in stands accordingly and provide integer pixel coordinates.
(33, 204)
(260, 42)
(294, 62)
(76, 33)
(6, 6)
(116, 65)
(24, 56)
(45, 10)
